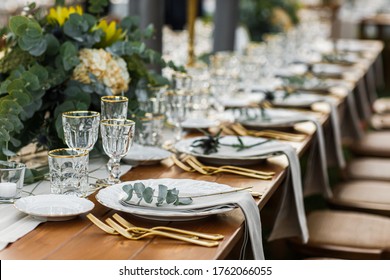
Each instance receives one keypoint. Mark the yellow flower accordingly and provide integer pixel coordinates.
(112, 33)
(61, 14)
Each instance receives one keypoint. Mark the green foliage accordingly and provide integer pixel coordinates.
(257, 15)
(170, 196)
(36, 84)
(97, 6)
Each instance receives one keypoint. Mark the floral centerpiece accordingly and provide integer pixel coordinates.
(65, 59)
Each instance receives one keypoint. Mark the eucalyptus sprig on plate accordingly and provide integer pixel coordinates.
(170, 196)
(211, 143)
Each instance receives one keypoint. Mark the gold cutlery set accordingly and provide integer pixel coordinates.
(119, 226)
(240, 130)
(191, 164)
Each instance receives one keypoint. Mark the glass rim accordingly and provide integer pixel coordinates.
(6, 165)
(181, 75)
(179, 92)
(126, 122)
(83, 152)
(69, 114)
(151, 116)
(114, 98)
(155, 87)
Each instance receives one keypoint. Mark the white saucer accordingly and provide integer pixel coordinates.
(145, 155)
(54, 207)
(199, 123)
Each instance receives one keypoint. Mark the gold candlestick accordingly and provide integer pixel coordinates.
(192, 10)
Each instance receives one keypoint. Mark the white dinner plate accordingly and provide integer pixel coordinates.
(201, 123)
(298, 99)
(278, 118)
(226, 154)
(54, 207)
(111, 197)
(145, 155)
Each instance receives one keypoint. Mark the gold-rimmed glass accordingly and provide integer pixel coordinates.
(181, 81)
(69, 171)
(81, 129)
(117, 137)
(114, 107)
(149, 129)
(179, 104)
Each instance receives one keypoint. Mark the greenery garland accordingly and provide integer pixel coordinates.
(38, 59)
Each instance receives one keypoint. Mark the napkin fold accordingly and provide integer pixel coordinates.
(243, 200)
(290, 219)
(350, 122)
(316, 177)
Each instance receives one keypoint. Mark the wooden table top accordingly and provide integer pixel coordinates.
(80, 239)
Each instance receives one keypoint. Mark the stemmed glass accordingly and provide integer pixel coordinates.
(179, 103)
(114, 107)
(81, 129)
(117, 137)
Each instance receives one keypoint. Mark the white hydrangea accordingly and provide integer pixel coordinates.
(108, 69)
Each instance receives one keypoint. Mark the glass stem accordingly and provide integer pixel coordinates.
(178, 131)
(114, 170)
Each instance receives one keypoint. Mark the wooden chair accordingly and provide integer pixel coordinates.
(368, 196)
(373, 144)
(345, 235)
(369, 168)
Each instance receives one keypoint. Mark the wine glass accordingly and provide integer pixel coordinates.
(81, 129)
(179, 104)
(114, 107)
(117, 137)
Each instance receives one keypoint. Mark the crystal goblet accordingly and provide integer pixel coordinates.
(117, 137)
(81, 129)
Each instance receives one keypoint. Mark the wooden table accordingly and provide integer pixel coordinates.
(80, 239)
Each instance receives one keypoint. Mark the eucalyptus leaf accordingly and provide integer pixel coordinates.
(162, 194)
(7, 152)
(18, 24)
(184, 201)
(128, 189)
(172, 196)
(139, 189)
(147, 194)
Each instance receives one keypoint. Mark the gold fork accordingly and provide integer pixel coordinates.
(242, 131)
(209, 236)
(210, 170)
(129, 227)
(129, 235)
(265, 173)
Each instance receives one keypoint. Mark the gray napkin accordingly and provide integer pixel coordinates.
(350, 121)
(242, 199)
(316, 179)
(334, 145)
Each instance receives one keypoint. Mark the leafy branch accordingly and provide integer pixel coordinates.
(211, 143)
(170, 196)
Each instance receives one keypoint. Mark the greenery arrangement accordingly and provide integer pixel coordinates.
(169, 196)
(268, 16)
(211, 143)
(64, 60)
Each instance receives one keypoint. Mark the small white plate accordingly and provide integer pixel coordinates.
(54, 207)
(145, 155)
